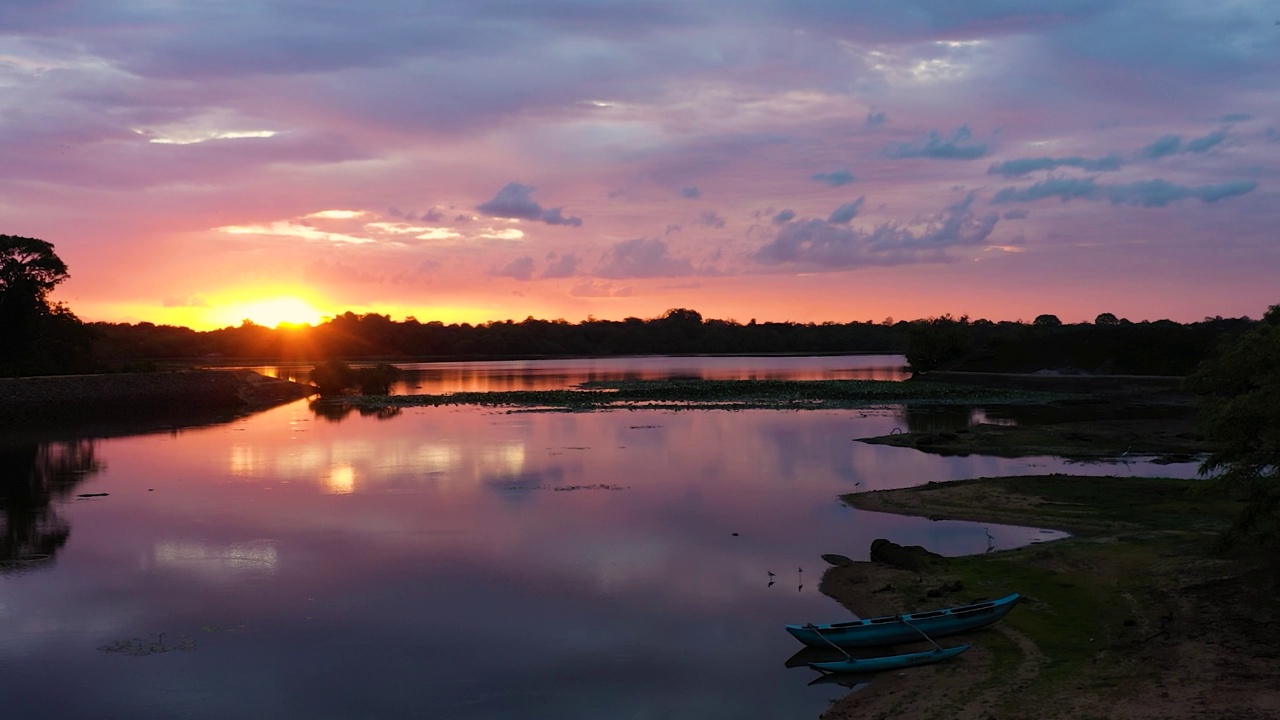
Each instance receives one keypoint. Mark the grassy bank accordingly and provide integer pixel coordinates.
(1134, 617)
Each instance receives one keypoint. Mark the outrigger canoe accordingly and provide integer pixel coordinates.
(889, 662)
(896, 629)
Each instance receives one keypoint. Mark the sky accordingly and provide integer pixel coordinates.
(201, 162)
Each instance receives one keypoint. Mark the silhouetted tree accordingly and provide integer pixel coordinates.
(1106, 319)
(935, 342)
(1051, 321)
(39, 336)
(1242, 416)
(377, 380)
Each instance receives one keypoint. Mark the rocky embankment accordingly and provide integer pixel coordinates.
(57, 399)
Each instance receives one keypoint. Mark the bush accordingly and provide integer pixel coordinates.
(333, 377)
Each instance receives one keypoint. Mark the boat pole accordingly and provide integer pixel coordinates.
(814, 628)
(936, 646)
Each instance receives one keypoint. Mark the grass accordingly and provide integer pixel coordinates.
(1104, 606)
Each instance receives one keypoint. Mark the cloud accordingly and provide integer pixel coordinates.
(514, 201)
(821, 245)
(1025, 166)
(690, 192)
(1015, 214)
(598, 288)
(876, 119)
(835, 178)
(521, 269)
(1203, 144)
(642, 258)
(1173, 145)
(787, 215)
(1236, 117)
(846, 212)
(560, 266)
(934, 146)
(710, 219)
(1144, 193)
(320, 271)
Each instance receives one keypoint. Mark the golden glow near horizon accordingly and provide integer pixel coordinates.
(269, 312)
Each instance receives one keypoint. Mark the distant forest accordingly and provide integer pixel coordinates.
(1108, 345)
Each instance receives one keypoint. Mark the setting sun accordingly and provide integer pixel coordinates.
(271, 312)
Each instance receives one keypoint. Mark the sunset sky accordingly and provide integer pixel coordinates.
(197, 162)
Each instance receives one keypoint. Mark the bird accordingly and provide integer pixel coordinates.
(770, 572)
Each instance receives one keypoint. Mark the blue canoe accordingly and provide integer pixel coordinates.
(897, 629)
(889, 662)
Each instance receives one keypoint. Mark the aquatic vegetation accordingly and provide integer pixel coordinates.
(680, 394)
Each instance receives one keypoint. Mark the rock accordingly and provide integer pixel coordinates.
(837, 560)
(907, 557)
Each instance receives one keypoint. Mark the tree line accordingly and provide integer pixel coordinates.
(45, 337)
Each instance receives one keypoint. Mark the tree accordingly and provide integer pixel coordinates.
(1047, 321)
(1241, 416)
(40, 336)
(333, 377)
(937, 341)
(1106, 319)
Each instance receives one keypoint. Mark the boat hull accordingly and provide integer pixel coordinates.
(889, 662)
(911, 627)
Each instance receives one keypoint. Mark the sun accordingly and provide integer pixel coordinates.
(271, 312)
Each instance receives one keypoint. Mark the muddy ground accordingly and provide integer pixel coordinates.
(1135, 617)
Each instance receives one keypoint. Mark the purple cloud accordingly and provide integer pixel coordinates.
(822, 245)
(1026, 166)
(846, 212)
(1143, 193)
(710, 219)
(521, 269)
(514, 201)
(642, 258)
(560, 266)
(1173, 145)
(935, 146)
(836, 178)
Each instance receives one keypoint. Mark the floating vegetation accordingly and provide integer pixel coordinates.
(569, 488)
(697, 394)
(139, 647)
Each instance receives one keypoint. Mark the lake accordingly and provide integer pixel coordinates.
(461, 562)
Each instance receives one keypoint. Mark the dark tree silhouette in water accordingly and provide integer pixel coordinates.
(32, 478)
(39, 336)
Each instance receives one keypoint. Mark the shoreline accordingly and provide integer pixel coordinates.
(1134, 617)
(65, 403)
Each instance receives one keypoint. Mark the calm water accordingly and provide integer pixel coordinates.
(507, 375)
(454, 562)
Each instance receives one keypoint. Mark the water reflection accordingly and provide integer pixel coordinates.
(32, 477)
(935, 418)
(512, 375)
(337, 412)
(460, 562)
